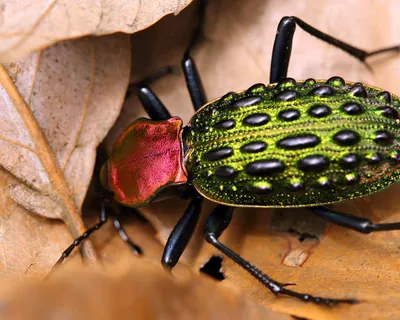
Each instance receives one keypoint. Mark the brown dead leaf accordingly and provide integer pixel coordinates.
(29, 25)
(141, 291)
(234, 55)
(56, 107)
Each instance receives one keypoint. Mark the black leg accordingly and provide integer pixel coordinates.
(192, 77)
(352, 222)
(184, 229)
(182, 233)
(152, 104)
(105, 204)
(217, 222)
(283, 46)
(193, 82)
(136, 250)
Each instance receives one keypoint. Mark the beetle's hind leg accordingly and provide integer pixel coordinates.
(283, 46)
(352, 222)
(217, 222)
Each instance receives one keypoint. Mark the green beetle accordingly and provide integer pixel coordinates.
(287, 144)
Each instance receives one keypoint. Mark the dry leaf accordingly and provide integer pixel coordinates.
(56, 107)
(235, 54)
(26, 26)
(141, 291)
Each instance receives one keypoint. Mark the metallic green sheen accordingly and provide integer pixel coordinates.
(291, 186)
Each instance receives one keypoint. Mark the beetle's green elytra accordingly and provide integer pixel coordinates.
(295, 144)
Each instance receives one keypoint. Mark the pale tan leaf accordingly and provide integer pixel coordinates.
(35, 201)
(26, 26)
(29, 244)
(55, 111)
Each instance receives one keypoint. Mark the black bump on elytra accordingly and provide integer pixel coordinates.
(263, 189)
(325, 184)
(389, 112)
(203, 129)
(296, 186)
(289, 115)
(257, 119)
(287, 95)
(254, 147)
(384, 96)
(245, 102)
(395, 156)
(319, 111)
(257, 88)
(352, 180)
(358, 90)
(336, 81)
(309, 82)
(323, 91)
(352, 108)
(264, 167)
(350, 161)
(207, 114)
(347, 137)
(219, 154)
(299, 141)
(375, 159)
(225, 124)
(313, 163)
(228, 97)
(286, 82)
(383, 137)
(225, 172)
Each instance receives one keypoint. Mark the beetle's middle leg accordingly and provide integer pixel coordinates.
(352, 222)
(217, 222)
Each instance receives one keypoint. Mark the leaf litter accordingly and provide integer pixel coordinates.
(29, 25)
(233, 55)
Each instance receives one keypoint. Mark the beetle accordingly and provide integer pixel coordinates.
(306, 143)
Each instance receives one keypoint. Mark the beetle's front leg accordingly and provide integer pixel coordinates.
(217, 222)
(192, 77)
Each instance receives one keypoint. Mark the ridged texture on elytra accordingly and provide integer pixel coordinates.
(324, 155)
